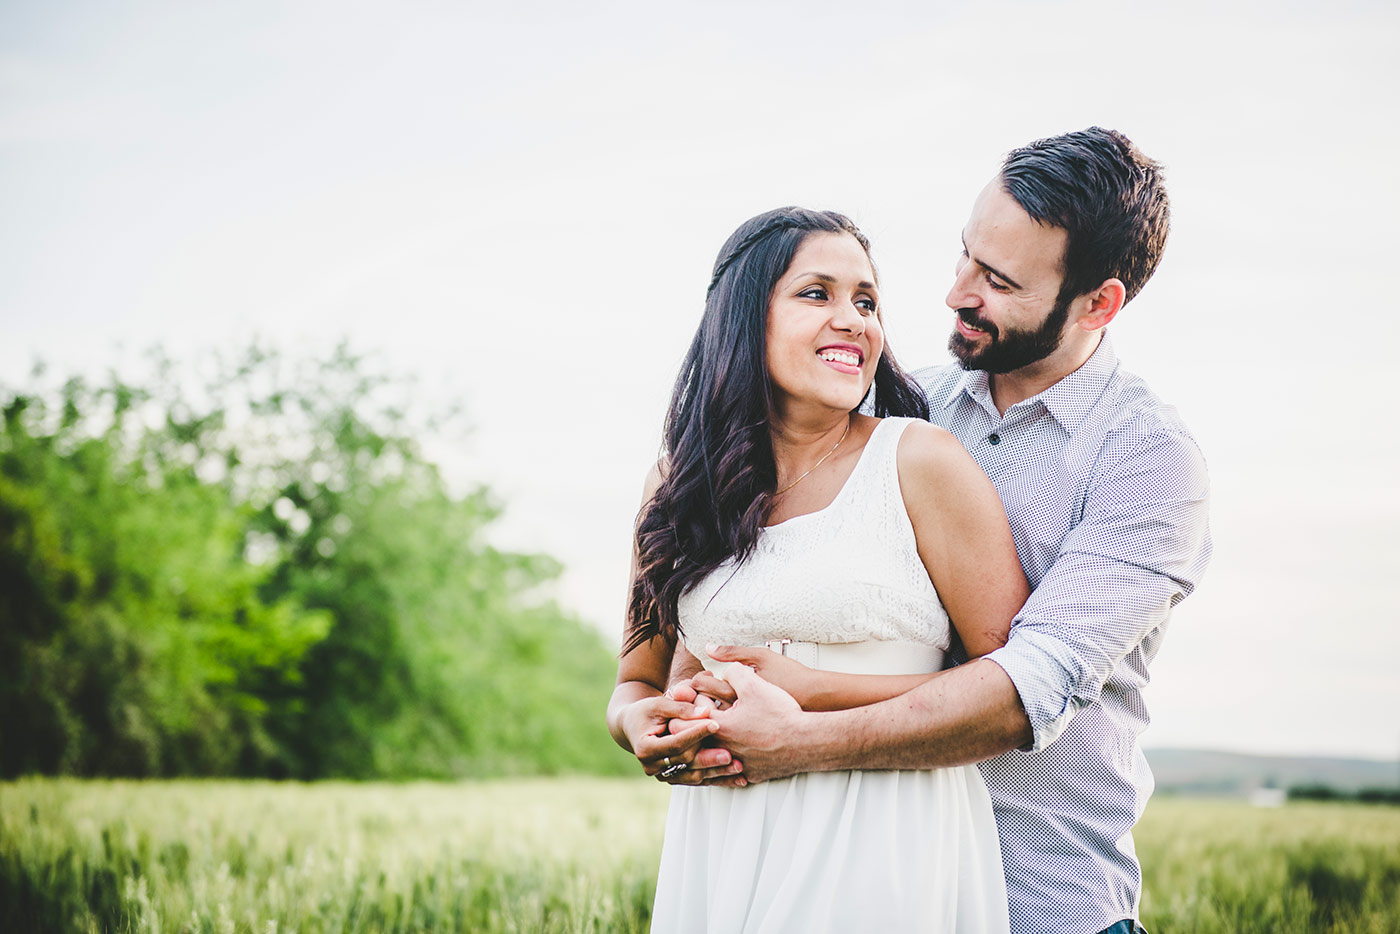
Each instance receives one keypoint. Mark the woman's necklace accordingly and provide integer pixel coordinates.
(818, 463)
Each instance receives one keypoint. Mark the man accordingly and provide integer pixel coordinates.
(1105, 491)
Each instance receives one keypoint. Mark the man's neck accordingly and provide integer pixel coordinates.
(1019, 385)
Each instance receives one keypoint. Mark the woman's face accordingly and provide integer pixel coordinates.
(823, 332)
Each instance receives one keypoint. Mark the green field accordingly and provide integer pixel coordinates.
(563, 855)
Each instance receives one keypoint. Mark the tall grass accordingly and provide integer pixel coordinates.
(564, 855)
(527, 856)
(1218, 866)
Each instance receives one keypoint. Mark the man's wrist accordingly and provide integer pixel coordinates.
(810, 742)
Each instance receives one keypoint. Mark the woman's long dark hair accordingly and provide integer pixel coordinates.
(720, 476)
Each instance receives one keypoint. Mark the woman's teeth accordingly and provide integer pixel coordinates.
(840, 356)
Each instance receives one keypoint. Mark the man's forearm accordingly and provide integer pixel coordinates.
(969, 714)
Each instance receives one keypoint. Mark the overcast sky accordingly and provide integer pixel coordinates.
(520, 204)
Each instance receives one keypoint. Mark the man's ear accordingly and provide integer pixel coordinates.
(1102, 305)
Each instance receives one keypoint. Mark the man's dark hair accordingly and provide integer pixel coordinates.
(1106, 194)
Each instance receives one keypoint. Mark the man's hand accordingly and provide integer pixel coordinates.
(759, 725)
(712, 764)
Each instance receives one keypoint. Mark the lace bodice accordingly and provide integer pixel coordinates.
(848, 573)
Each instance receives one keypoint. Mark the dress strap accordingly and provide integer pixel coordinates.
(867, 483)
(886, 437)
(876, 478)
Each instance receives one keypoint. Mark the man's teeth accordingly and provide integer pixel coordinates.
(840, 356)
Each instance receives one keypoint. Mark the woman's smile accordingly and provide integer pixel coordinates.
(843, 358)
(826, 306)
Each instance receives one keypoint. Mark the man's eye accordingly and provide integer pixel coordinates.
(997, 286)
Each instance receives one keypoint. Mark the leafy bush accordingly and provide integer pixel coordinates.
(263, 575)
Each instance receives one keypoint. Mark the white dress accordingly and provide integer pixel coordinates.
(832, 851)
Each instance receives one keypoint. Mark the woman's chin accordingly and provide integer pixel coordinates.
(839, 400)
(841, 403)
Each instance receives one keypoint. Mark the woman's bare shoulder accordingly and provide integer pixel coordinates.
(655, 475)
(928, 452)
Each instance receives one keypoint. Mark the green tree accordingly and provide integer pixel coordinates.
(263, 574)
(133, 638)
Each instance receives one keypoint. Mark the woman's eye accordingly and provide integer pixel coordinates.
(816, 293)
(867, 306)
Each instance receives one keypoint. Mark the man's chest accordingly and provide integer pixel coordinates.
(1039, 474)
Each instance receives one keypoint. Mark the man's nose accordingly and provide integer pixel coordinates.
(963, 293)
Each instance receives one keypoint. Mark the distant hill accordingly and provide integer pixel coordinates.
(1207, 772)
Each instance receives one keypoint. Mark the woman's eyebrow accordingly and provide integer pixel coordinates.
(831, 280)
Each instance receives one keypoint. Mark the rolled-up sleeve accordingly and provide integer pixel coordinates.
(1140, 547)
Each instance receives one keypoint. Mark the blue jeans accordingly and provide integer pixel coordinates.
(1126, 926)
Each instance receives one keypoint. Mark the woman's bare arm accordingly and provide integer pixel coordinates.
(963, 537)
(641, 715)
(812, 688)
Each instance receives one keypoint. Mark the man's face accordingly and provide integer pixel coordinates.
(1005, 295)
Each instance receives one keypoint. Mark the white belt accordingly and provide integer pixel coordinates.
(857, 658)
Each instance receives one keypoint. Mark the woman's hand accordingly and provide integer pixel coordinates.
(813, 690)
(667, 735)
(803, 683)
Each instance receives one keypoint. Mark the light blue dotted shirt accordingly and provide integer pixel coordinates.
(1106, 493)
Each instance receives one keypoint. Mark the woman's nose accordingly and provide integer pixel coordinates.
(849, 318)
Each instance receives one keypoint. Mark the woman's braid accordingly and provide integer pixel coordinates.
(773, 226)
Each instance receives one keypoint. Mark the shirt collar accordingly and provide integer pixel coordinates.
(1068, 401)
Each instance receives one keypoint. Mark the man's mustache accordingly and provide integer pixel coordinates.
(973, 320)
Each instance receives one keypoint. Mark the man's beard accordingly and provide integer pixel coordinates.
(1009, 350)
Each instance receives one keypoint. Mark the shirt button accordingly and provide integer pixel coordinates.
(994, 438)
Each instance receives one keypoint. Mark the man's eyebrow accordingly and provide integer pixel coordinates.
(831, 280)
(992, 269)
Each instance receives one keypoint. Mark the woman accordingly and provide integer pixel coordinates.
(781, 515)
